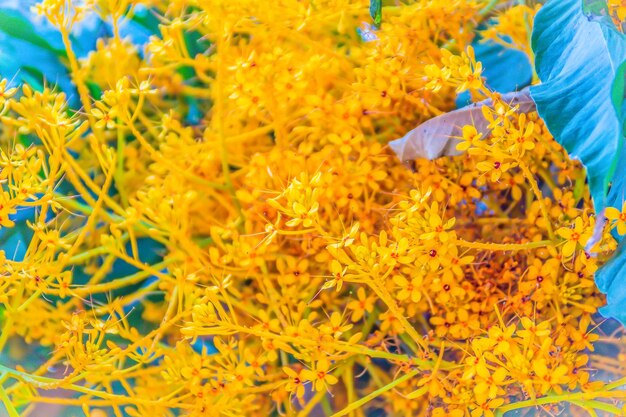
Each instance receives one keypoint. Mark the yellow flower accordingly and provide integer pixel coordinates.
(105, 116)
(266, 323)
(6, 93)
(618, 218)
(617, 10)
(242, 375)
(336, 328)
(502, 339)
(346, 142)
(582, 338)
(532, 330)
(319, 375)
(409, 289)
(511, 28)
(436, 76)
(361, 305)
(494, 168)
(486, 409)
(65, 280)
(347, 239)
(523, 135)
(549, 379)
(487, 384)
(338, 273)
(5, 211)
(471, 77)
(471, 138)
(295, 385)
(455, 263)
(390, 323)
(437, 228)
(575, 236)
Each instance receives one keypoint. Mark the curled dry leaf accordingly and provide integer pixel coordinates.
(438, 136)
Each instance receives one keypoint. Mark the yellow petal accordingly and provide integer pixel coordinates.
(569, 248)
(611, 213)
(330, 379)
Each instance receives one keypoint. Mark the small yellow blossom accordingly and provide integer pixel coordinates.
(618, 218)
(363, 304)
(319, 375)
(576, 236)
(296, 382)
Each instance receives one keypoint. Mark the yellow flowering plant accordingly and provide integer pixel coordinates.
(213, 224)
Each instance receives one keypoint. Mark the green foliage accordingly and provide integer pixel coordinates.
(577, 59)
(23, 44)
(376, 11)
(18, 27)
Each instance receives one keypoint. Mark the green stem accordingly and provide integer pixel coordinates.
(339, 345)
(488, 7)
(542, 204)
(88, 254)
(580, 397)
(122, 282)
(83, 92)
(547, 178)
(42, 382)
(326, 407)
(598, 405)
(615, 384)
(348, 381)
(311, 404)
(409, 342)
(408, 328)
(219, 115)
(142, 226)
(357, 404)
(369, 323)
(6, 329)
(119, 169)
(7, 403)
(504, 246)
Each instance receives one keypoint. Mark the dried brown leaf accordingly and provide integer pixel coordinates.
(438, 136)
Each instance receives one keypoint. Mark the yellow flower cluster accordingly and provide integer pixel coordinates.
(277, 258)
(513, 27)
(617, 11)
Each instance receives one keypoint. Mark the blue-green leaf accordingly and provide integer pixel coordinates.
(577, 58)
(505, 69)
(376, 11)
(580, 57)
(17, 56)
(17, 26)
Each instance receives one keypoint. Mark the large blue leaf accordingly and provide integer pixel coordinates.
(26, 39)
(580, 58)
(17, 26)
(22, 44)
(505, 69)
